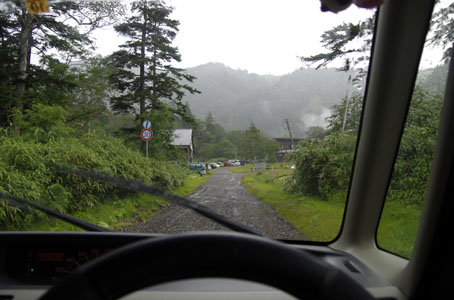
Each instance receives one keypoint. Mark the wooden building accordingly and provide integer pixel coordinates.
(184, 139)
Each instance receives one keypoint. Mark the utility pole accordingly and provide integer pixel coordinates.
(349, 86)
(290, 133)
(346, 105)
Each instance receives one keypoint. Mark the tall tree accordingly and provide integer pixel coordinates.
(254, 145)
(56, 34)
(342, 41)
(146, 77)
(348, 41)
(442, 26)
(90, 99)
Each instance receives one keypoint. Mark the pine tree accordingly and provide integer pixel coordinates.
(342, 43)
(146, 78)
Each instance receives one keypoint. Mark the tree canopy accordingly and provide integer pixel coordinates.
(55, 38)
(145, 75)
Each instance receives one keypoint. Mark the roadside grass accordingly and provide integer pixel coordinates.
(112, 213)
(117, 214)
(320, 220)
(248, 168)
(316, 219)
(398, 228)
(192, 184)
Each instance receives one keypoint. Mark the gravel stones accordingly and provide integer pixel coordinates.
(224, 194)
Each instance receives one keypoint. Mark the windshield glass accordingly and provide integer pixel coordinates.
(248, 108)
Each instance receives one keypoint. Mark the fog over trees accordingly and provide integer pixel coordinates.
(236, 98)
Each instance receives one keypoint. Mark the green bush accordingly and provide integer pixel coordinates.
(323, 166)
(412, 167)
(26, 171)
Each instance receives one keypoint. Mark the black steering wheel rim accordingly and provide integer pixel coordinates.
(209, 254)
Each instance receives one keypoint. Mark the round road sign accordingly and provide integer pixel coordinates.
(146, 124)
(146, 134)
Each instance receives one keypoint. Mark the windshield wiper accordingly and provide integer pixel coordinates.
(156, 191)
(24, 204)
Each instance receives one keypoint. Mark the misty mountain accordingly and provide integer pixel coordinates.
(236, 98)
(433, 80)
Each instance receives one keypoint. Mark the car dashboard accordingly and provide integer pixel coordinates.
(31, 263)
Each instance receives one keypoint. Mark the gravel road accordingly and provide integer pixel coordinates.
(224, 194)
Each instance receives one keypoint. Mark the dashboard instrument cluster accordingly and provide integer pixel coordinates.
(48, 265)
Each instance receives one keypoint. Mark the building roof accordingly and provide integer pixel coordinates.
(286, 139)
(182, 137)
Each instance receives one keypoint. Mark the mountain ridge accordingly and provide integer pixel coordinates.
(236, 97)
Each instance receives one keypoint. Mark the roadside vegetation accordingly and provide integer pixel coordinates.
(317, 220)
(26, 171)
(312, 197)
(118, 214)
(320, 219)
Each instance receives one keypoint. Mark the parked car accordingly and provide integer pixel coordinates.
(214, 165)
(198, 167)
(227, 164)
(236, 163)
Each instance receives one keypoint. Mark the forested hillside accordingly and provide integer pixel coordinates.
(236, 98)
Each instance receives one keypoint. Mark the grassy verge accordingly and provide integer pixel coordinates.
(317, 220)
(320, 220)
(398, 228)
(247, 168)
(112, 214)
(192, 184)
(119, 213)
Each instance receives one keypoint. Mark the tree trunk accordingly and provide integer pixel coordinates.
(154, 96)
(142, 76)
(24, 56)
(142, 68)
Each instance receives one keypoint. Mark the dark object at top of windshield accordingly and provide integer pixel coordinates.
(339, 5)
(156, 191)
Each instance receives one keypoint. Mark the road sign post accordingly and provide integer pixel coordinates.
(146, 135)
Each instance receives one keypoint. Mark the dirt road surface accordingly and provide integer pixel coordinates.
(224, 194)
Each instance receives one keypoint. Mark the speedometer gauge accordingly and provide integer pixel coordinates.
(41, 265)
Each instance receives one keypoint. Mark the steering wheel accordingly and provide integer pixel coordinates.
(210, 254)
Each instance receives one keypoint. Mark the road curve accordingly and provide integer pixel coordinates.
(224, 194)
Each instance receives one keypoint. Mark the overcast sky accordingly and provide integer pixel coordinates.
(261, 36)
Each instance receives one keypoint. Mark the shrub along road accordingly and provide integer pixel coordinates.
(224, 194)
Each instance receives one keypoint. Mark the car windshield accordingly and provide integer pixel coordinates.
(247, 109)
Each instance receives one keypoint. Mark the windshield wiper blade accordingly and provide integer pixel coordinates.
(23, 204)
(156, 191)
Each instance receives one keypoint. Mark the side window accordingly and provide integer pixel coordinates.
(402, 211)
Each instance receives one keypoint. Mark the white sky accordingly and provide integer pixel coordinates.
(261, 36)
